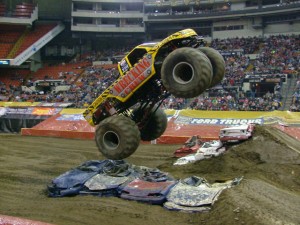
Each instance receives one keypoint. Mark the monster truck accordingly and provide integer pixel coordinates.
(129, 111)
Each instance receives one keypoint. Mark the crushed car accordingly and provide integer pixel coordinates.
(207, 150)
(189, 147)
(236, 133)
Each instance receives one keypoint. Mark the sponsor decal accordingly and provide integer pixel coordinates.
(124, 66)
(213, 121)
(133, 78)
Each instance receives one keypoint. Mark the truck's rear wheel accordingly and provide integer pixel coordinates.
(117, 137)
(155, 126)
(217, 62)
(186, 72)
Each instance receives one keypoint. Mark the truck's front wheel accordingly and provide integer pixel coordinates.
(186, 72)
(117, 137)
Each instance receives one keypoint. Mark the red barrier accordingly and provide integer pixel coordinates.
(175, 133)
(81, 129)
(58, 133)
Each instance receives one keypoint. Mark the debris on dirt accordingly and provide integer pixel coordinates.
(102, 178)
(120, 179)
(195, 194)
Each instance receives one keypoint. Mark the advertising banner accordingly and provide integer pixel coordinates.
(45, 111)
(55, 104)
(216, 121)
(19, 111)
(18, 104)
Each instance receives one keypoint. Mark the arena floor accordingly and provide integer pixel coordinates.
(268, 194)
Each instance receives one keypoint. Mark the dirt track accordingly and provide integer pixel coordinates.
(268, 194)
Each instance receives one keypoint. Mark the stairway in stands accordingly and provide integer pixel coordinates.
(287, 93)
(18, 44)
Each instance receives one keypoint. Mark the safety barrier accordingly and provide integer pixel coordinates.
(182, 124)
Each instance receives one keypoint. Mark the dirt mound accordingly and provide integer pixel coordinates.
(268, 194)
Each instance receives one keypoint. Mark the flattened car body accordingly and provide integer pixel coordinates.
(189, 147)
(147, 192)
(236, 133)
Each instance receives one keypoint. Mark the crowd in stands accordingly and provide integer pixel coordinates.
(276, 54)
(228, 102)
(248, 45)
(295, 106)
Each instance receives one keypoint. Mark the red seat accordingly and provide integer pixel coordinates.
(23, 10)
(24, 7)
(33, 36)
(22, 14)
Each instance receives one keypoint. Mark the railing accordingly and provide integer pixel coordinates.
(220, 13)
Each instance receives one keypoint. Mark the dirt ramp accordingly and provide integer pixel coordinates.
(266, 202)
(269, 192)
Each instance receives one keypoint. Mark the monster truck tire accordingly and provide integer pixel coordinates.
(186, 72)
(156, 125)
(117, 137)
(217, 62)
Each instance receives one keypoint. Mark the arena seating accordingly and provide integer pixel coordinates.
(23, 10)
(4, 49)
(61, 71)
(34, 35)
(88, 81)
(9, 34)
(13, 77)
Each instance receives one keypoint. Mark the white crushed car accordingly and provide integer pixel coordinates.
(210, 148)
(236, 133)
(207, 150)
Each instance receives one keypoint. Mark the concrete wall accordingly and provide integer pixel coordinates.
(248, 30)
(55, 9)
(286, 28)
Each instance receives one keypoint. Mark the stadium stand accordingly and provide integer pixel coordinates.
(94, 77)
(8, 36)
(33, 35)
(247, 58)
(23, 10)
